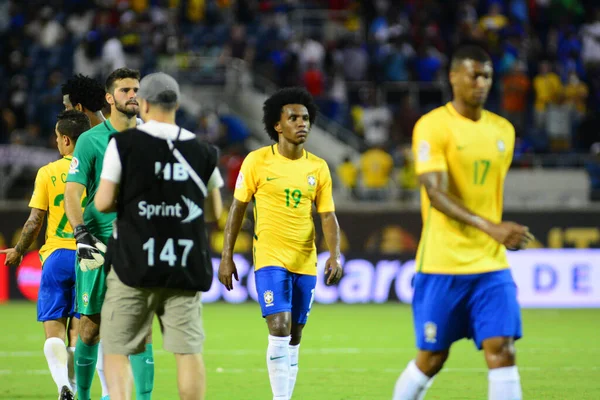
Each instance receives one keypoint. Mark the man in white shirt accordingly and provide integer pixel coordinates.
(154, 177)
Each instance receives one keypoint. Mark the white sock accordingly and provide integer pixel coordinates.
(56, 354)
(412, 383)
(293, 368)
(426, 388)
(100, 369)
(71, 368)
(504, 384)
(278, 364)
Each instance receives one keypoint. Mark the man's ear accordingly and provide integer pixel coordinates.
(277, 127)
(78, 107)
(452, 77)
(65, 140)
(109, 99)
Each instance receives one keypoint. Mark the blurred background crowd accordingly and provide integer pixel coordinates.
(374, 68)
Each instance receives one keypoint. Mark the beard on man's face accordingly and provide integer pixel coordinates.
(130, 109)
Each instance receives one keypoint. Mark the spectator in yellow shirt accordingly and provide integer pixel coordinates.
(492, 23)
(347, 173)
(548, 90)
(576, 93)
(376, 166)
(407, 177)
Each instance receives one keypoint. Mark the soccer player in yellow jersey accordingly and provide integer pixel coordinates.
(284, 181)
(56, 298)
(463, 285)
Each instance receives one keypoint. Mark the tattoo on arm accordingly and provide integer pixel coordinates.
(31, 229)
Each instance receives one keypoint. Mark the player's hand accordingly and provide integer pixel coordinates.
(13, 257)
(227, 269)
(333, 271)
(90, 250)
(511, 235)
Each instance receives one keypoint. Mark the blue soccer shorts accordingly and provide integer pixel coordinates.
(56, 297)
(280, 290)
(447, 308)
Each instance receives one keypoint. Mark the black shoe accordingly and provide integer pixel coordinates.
(66, 394)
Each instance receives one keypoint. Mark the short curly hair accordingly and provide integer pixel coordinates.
(273, 107)
(85, 91)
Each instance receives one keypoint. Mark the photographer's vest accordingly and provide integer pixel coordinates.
(160, 238)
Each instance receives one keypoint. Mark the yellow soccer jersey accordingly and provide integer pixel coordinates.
(476, 155)
(49, 195)
(284, 191)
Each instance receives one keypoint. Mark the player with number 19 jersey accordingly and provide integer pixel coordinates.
(284, 191)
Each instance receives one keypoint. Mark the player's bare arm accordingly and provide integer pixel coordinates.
(106, 196)
(510, 234)
(213, 206)
(233, 225)
(73, 193)
(331, 231)
(30, 232)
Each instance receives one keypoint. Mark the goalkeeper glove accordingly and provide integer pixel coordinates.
(90, 250)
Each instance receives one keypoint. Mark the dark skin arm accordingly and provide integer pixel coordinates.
(331, 230)
(227, 268)
(510, 234)
(29, 234)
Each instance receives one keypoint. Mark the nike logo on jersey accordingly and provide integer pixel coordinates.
(82, 364)
(459, 148)
(271, 179)
(149, 362)
(276, 358)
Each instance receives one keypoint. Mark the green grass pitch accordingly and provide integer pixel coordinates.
(348, 352)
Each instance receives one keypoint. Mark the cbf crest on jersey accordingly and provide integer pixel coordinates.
(268, 297)
(430, 332)
(312, 182)
(501, 145)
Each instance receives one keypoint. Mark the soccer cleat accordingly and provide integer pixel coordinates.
(66, 394)
(105, 397)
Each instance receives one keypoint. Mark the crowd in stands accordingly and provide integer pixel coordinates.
(360, 59)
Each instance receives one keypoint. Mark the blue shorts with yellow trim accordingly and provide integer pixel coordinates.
(447, 308)
(280, 290)
(56, 297)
